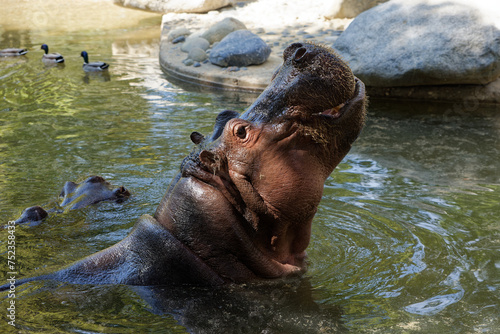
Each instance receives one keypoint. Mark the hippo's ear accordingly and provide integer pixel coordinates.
(95, 179)
(68, 188)
(121, 194)
(196, 137)
(208, 159)
(220, 122)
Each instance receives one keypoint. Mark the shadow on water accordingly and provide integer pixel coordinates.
(100, 76)
(278, 307)
(244, 96)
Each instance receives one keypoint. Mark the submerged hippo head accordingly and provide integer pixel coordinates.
(93, 190)
(259, 184)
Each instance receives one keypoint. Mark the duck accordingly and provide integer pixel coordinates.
(12, 52)
(93, 66)
(51, 58)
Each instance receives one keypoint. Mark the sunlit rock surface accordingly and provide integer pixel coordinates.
(176, 6)
(424, 42)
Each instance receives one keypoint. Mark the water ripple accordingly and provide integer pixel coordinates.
(375, 234)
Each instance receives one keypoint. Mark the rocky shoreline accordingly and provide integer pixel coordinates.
(253, 78)
(470, 71)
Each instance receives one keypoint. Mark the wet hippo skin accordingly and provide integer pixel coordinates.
(32, 215)
(242, 205)
(93, 190)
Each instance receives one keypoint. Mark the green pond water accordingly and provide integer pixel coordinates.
(406, 238)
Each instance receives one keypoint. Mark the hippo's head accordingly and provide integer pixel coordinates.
(93, 190)
(314, 92)
(272, 162)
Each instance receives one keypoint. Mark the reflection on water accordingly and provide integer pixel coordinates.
(405, 239)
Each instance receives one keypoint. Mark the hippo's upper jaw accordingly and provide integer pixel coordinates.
(312, 80)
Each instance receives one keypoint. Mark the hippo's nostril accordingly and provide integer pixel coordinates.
(299, 54)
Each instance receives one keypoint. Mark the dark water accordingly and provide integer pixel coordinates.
(406, 239)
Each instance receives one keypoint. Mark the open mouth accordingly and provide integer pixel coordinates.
(335, 112)
(343, 108)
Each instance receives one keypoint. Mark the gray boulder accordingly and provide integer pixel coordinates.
(240, 48)
(221, 29)
(423, 42)
(194, 42)
(197, 54)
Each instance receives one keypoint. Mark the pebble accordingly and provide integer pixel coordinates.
(188, 62)
(197, 54)
(176, 33)
(179, 39)
(195, 41)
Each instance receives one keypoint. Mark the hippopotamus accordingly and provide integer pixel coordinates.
(242, 205)
(32, 215)
(93, 190)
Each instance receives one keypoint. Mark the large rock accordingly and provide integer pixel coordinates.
(240, 48)
(221, 29)
(176, 6)
(424, 42)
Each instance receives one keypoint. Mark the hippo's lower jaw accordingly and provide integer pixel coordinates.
(358, 99)
(341, 109)
(334, 112)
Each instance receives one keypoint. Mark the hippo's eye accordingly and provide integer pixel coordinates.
(241, 131)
